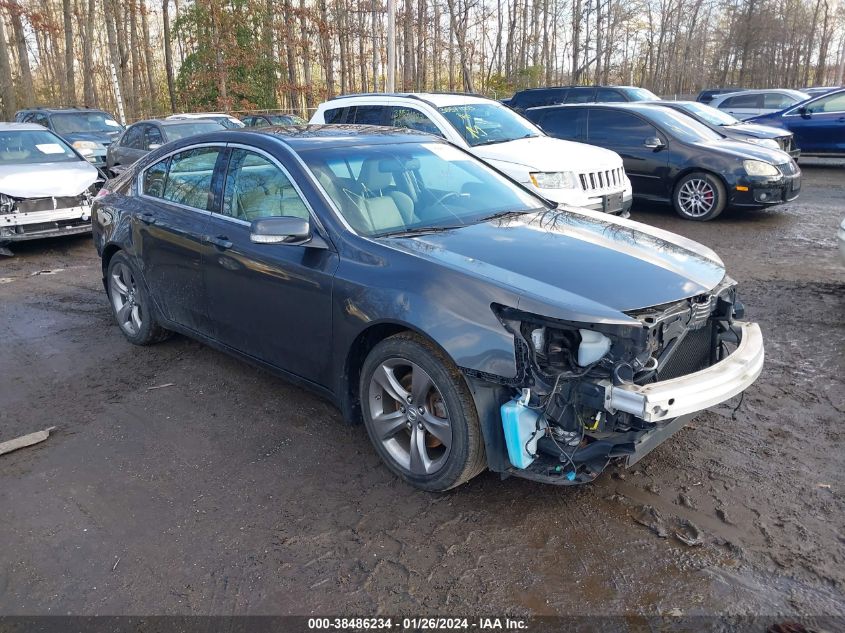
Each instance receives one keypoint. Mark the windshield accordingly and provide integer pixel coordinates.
(683, 127)
(487, 123)
(641, 94)
(286, 119)
(712, 115)
(27, 147)
(183, 130)
(387, 189)
(76, 122)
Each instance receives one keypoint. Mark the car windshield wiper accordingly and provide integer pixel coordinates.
(420, 230)
(505, 214)
(504, 140)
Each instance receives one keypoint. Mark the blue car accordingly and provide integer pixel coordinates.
(818, 124)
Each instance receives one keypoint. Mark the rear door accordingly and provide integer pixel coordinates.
(743, 106)
(569, 124)
(130, 146)
(270, 301)
(176, 195)
(626, 134)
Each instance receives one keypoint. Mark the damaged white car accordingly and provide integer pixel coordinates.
(46, 187)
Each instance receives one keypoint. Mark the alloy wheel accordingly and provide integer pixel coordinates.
(409, 416)
(696, 197)
(126, 299)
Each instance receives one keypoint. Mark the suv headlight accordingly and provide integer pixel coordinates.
(554, 179)
(759, 168)
(86, 148)
(765, 142)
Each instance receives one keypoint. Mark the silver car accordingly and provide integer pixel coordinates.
(750, 103)
(46, 186)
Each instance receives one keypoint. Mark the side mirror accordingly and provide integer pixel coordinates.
(154, 146)
(804, 112)
(280, 230)
(654, 142)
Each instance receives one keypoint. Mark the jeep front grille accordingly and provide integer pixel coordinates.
(602, 181)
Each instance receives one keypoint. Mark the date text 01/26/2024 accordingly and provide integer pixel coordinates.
(416, 624)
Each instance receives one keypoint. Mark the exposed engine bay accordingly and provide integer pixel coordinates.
(588, 391)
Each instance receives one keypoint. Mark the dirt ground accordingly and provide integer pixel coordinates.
(232, 492)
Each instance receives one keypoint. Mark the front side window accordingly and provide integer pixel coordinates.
(256, 188)
(152, 137)
(829, 103)
(366, 115)
(189, 177)
(641, 94)
(28, 147)
(488, 123)
(413, 186)
(605, 95)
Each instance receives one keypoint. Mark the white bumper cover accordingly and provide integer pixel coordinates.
(694, 392)
(36, 217)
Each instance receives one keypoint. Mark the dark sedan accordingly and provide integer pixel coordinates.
(145, 136)
(724, 123)
(670, 157)
(422, 291)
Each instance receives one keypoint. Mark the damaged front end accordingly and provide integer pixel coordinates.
(591, 392)
(45, 216)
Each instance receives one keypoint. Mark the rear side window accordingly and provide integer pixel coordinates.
(154, 179)
(565, 123)
(743, 101)
(189, 177)
(619, 129)
(606, 95)
(335, 116)
(581, 95)
(536, 98)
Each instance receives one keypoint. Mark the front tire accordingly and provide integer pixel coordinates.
(699, 196)
(131, 305)
(420, 415)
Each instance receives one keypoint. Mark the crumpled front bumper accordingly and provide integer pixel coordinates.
(17, 227)
(668, 399)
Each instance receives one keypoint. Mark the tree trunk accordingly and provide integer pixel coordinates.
(27, 89)
(7, 86)
(70, 85)
(168, 54)
(89, 94)
(306, 57)
(148, 61)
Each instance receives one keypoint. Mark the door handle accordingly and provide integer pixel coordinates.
(221, 241)
(146, 218)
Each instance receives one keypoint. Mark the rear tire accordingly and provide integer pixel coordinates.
(699, 196)
(420, 415)
(132, 307)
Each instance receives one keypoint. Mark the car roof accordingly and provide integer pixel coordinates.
(63, 110)
(787, 91)
(637, 106)
(21, 127)
(436, 99)
(167, 122)
(307, 136)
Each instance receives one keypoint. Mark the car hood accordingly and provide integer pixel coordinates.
(105, 138)
(744, 151)
(575, 264)
(44, 180)
(757, 131)
(544, 153)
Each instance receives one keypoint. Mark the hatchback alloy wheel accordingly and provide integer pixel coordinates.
(699, 196)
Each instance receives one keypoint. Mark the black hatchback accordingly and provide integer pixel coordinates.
(670, 157)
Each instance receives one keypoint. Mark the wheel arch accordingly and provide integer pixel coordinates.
(361, 346)
(690, 169)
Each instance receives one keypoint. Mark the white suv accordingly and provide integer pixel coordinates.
(562, 171)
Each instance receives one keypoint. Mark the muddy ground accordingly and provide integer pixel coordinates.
(232, 492)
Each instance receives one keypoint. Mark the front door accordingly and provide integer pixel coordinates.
(629, 136)
(821, 130)
(168, 224)
(270, 301)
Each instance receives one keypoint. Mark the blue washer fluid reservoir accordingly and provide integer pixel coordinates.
(522, 426)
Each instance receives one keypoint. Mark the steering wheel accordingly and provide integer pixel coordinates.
(446, 196)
